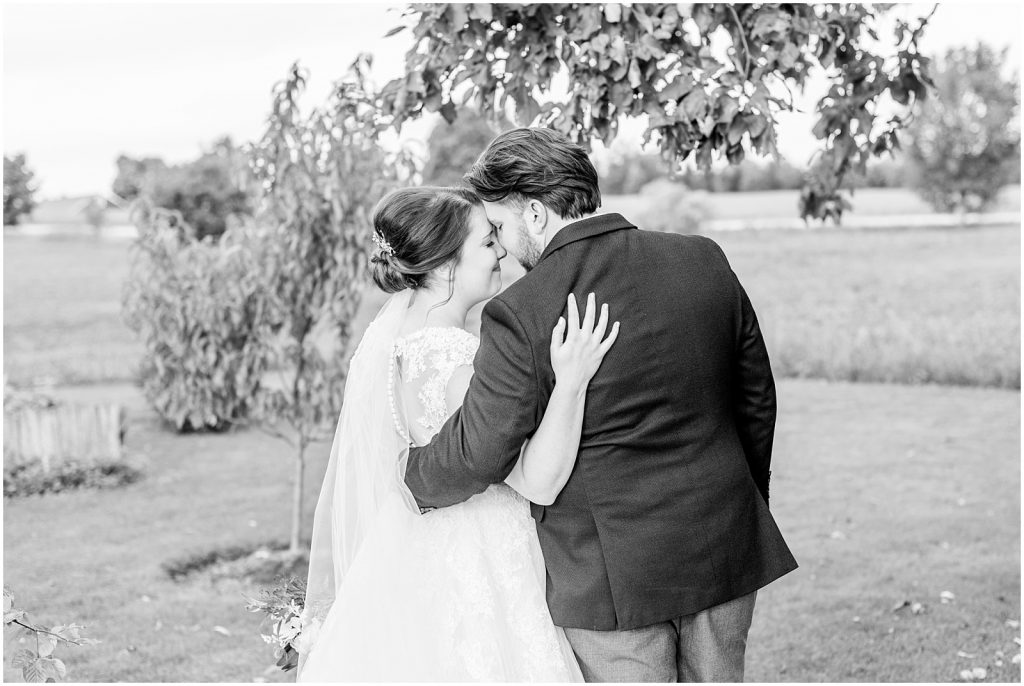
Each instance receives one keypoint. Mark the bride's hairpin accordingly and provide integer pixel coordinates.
(384, 246)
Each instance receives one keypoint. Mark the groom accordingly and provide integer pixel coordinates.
(659, 541)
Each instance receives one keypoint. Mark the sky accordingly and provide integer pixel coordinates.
(86, 82)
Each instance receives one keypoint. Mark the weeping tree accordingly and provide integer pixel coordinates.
(320, 175)
(709, 78)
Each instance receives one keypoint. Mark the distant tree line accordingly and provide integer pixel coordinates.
(19, 191)
(208, 192)
(628, 174)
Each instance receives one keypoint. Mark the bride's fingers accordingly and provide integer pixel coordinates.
(558, 335)
(607, 344)
(573, 317)
(589, 314)
(602, 323)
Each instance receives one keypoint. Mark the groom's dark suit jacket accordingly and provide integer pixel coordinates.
(665, 513)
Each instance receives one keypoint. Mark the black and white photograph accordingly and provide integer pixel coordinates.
(478, 342)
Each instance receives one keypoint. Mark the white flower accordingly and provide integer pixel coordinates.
(307, 636)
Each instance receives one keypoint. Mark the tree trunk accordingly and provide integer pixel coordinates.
(297, 493)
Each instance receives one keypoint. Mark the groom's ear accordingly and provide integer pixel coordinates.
(535, 214)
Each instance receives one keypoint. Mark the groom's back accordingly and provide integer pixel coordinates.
(662, 515)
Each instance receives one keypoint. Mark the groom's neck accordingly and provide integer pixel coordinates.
(557, 223)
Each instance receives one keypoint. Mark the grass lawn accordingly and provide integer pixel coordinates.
(909, 306)
(62, 311)
(885, 494)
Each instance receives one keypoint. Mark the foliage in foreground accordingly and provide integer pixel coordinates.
(282, 627)
(40, 665)
(656, 60)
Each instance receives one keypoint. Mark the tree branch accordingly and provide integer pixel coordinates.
(44, 631)
(743, 37)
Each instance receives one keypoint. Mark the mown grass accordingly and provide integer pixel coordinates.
(922, 485)
(889, 494)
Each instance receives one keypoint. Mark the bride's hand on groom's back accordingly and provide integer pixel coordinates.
(577, 348)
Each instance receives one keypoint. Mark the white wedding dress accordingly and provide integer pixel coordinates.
(456, 594)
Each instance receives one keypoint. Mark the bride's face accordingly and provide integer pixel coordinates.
(478, 274)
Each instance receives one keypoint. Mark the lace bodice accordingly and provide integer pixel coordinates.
(427, 359)
(459, 592)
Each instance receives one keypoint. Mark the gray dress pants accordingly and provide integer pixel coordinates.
(709, 645)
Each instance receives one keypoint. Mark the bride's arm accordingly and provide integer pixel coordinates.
(547, 459)
(549, 456)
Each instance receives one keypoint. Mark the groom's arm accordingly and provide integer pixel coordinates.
(480, 443)
(753, 386)
(755, 403)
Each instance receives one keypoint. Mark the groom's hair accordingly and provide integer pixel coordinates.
(540, 164)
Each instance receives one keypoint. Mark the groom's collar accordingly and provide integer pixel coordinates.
(586, 228)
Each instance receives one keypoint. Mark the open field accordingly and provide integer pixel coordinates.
(915, 306)
(885, 494)
(62, 311)
(907, 306)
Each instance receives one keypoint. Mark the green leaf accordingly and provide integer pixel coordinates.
(52, 668)
(589, 21)
(46, 644)
(393, 31)
(635, 78)
(676, 89)
(22, 657)
(32, 672)
(756, 124)
(693, 103)
(457, 15)
(736, 131)
(482, 12)
(790, 55)
(728, 107)
(448, 111)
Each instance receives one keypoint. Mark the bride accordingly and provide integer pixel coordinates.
(456, 594)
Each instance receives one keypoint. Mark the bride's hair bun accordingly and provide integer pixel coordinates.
(388, 275)
(418, 230)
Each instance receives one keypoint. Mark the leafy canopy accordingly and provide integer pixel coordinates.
(709, 78)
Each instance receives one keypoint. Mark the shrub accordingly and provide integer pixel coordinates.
(672, 207)
(965, 141)
(199, 310)
(30, 478)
